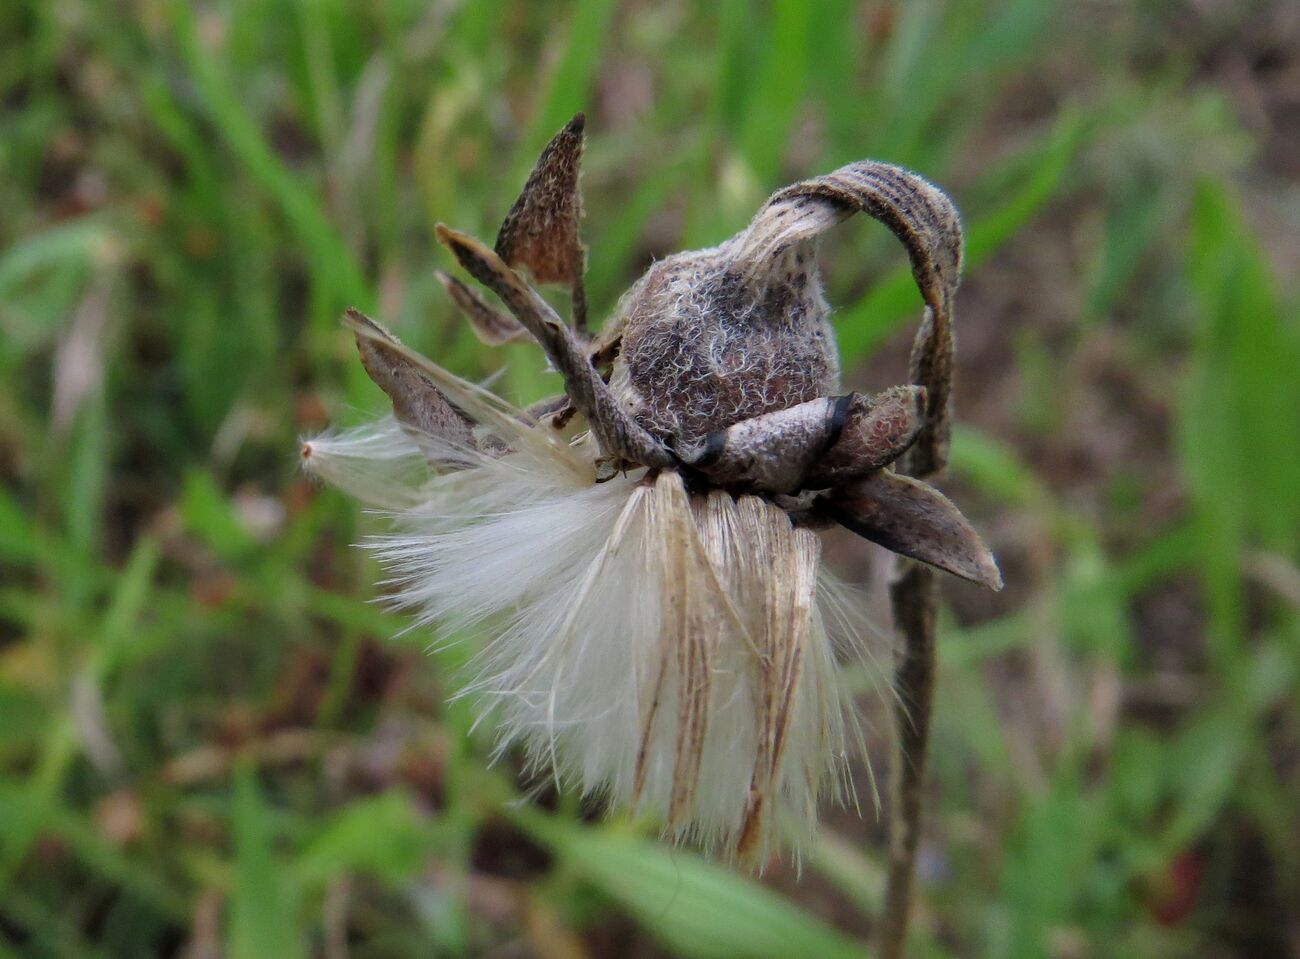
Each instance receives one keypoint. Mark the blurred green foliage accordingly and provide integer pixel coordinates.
(212, 743)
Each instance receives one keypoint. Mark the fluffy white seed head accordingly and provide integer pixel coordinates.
(670, 652)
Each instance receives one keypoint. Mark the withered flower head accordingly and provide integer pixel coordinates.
(643, 548)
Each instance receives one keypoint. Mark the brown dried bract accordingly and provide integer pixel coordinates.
(426, 414)
(541, 230)
(913, 519)
(490, 325)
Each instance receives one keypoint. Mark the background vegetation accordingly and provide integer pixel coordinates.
(211, 744)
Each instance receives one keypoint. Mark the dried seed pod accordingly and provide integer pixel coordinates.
(667, 634)
(705, 345)
(717, 336)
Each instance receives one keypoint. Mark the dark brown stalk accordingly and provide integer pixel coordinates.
(914, 594)
(914, 598)
(579, 308)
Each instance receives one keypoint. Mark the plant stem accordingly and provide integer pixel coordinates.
(914, 599)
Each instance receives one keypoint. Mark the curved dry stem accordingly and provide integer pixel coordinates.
(925, 221)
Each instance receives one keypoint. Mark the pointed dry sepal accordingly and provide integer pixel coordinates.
(876, 431)
(813, 445)
(769, 453)
(618, 434)
(916, 520)
(541, 230)
(490, 325)
(426, 415)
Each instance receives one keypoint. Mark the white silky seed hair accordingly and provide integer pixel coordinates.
(669, 652)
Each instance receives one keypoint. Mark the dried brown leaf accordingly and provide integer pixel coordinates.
(876, 431)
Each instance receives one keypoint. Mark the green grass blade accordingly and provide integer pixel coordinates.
(333, 265)
(778, 88)
(383, 835)
(570, 84)
(263, 902)
(699, 910)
